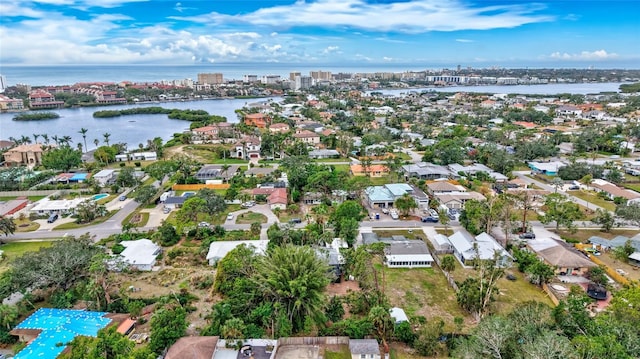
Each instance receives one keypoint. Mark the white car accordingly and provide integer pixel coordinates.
(229, 216)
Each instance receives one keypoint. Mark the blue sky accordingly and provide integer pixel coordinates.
(558, 33)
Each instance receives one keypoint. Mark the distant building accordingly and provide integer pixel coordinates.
(140, 254)
(211, 79)
(294, 74)
(270, 79)
(3, 83)
(24, 155)
(10, 104)
(321, 75)
(302, 83)
(41, 99)
(259, 120)
(250, 79)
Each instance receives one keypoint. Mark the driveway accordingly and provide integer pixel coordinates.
(263, 209)
(156, 215)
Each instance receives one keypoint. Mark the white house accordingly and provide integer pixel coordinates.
(364, 349)
(59, 206)
(466, 248)
(408, 254)
(140, 254)
(137, 156)
(103, 177)
(219, 249)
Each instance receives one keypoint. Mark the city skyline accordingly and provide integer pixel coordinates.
(601, 34)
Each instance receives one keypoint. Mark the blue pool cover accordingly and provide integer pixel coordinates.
(59, 327)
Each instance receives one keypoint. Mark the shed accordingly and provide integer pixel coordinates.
(398, 315)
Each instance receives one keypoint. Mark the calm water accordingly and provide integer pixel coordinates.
(551, 89)
(131, 130)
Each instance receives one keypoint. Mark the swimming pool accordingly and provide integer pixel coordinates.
(99, 196)
(59, 327)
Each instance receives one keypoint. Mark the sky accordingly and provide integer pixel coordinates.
(506, 33)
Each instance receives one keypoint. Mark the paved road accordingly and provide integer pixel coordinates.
(523, 176)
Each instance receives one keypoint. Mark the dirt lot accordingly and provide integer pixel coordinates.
(631, 272)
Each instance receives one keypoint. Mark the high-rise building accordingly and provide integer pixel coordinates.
(211, 79)
(270, 79)
(250, 78)
(320, 75)
(3, 83)
(293, 75)
(303, 83)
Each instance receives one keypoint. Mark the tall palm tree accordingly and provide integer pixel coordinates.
(96, 142)
(55, 139)
(25, 139)
(45, 138)
(83, 132)
(35, 137)
(106, 137)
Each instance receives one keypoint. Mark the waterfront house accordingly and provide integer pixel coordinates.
(29, 155)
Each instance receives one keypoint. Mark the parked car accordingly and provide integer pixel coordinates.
(122, 198)
(429, 219)
(385, 210)
(248, 204)
(295, 220)
(203, 224)
(433, 213)
(574, 187)
(527, 235)
(166, 210)
(229, 216)
(52, 218)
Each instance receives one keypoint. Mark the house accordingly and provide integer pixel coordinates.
(444, 187)
(427, 171)
(548, 168)
(259, 120)
(364, 349)
(47, 206)
(612, 191)
(12, 206)
(173, 202)
(440, 242)
(398, 315)
(279, 128)
(193, 348)
(105, 177)
(334, 259)
(310, 138)
(10, 104)
(29, 155)
(618, 241)
(41, 99)
(213, 133)
(259, 171)
(278, 199)
(137, 156)
(219, 249)
(561, 255)
(385, 196)
(456, 200)
(408, 254)
(323, 153)
(466, 249)
(216, 172)
(246, 148)
(375, 170)
(140, 254)
(634, 259)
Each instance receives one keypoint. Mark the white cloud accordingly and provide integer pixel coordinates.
(331, 50)
(584, 56)
(387, 59)
(413, 16)
(464, 40)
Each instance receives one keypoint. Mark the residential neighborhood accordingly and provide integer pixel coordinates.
(334, 222)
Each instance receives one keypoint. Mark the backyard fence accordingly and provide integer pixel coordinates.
(612, 273)
(197, 187)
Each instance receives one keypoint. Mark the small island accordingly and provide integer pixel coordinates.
(37, 116)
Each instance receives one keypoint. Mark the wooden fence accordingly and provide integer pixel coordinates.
(197, 187)
(313, 341)
(43, 192)
(612, 273)
(550, 293)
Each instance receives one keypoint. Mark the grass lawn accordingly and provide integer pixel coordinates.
(592, 198)
(138, 219)
(342, 168)
(582, 235)
(25, 225)
(410, 234)
(14, 250)
(107, 199)
(518, 291)
(251, 217)
(379, 181)
(343, 353)
(632, 186)
(422, 292)
(321, 160)
(74, 225)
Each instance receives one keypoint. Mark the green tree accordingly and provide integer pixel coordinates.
(191, 208)
(256, 227)
(448, 263)
(160, 169)
(296, 278)
(126, 177)
(7, 226)
(62, 158)
(561, 210)
(629, 212)
(168, 324)
(89, 210)
(335, 310)
(214, 203)
(8, 315)
(405, 204)
(539, 272)
(145, 193)
(83, 132)
(605, 219)
(167, 234)
(475, 216)
(428, 341)
(233, 329)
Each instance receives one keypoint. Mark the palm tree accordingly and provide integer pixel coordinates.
(83, 132)
(25, 139)
(79, 146)
(8, 315)
(96, 142)
(7, 227)
(55, 139)
(66, 140)
(45, 138)
(106, 137)
(35, 137)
